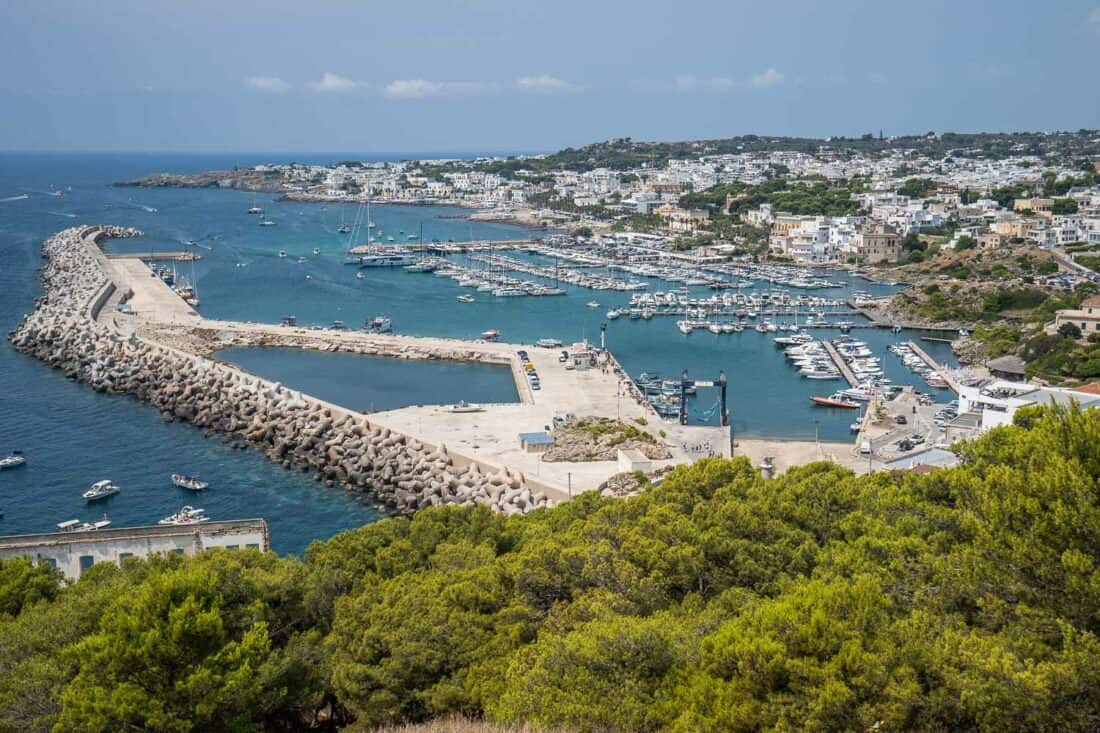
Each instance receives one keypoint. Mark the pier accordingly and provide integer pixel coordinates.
(156, 256)
(939, 369)
(841, 365)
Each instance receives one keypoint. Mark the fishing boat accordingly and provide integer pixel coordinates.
(191, 483)
(465, 298)
(13, 460)
(835, 400)
(101, 490)
(186, 515)
(491, 335)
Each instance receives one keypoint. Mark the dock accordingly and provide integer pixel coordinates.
(156, 256)
(939, 369)
(845, 370)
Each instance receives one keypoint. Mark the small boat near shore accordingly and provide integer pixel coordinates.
(835, 400)
(186, 515)
(491, 335)
(75, 525)
(101, 490)
(13, 460)
(464, 406)
(191, 483)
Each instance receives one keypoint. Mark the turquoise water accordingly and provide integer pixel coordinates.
(374, 383)
(74, 436)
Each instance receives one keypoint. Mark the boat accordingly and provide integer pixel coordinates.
(75, 525)
(13, 460)
(289, 321)
(613, 314)
(191, 483)
(316, 250)
(265, 222)
(835, 400)
(466, 298)
(592, 304)
(101, 490)
(282, 254)
(394, 260)
(379, 324)
(186, 515)
(254, 209)
(491, 335)
(548, 343)
(464, 406)
(359, 276)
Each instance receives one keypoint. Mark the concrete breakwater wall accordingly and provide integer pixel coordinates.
(293, 429)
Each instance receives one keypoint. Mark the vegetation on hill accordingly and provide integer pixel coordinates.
(968, 598)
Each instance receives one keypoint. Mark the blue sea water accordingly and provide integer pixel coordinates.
(74, 436)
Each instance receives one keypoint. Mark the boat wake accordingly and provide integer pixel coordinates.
(62, 213)
(19, 197)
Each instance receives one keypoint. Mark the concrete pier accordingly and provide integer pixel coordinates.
(845, 370)
(939, 369)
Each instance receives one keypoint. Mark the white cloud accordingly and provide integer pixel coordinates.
(768, 78)
(713, 84)
(330, 82)
(420, 88)
(543, 83)
(267, 84)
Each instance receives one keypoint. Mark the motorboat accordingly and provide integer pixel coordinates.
(613, 314)
(835, 400)
(548, 343)
(191, 483)
(186, 515)
(379, 324)
(344, 229)
(466, 298)
(394, 260)
(265, 222)
(255, 209)
(491, 335)
(75, 525)
(316, 250)
(101, 490)
(282, 254)
(592, 304)
(463, 406)
(359, 275)
(13, 460)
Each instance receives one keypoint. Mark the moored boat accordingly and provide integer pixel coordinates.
(835, 400)
(191, 483)
(101, 490)
(186, 515)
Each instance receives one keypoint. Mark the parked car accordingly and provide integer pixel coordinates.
(901, 420)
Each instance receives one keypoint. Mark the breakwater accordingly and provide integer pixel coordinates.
(338, 446)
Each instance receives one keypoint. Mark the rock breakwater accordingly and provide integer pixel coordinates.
(300, 432)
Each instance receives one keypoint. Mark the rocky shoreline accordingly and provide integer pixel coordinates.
(298, 431)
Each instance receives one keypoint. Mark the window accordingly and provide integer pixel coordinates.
(123, 555)
(178, 551)
(50, 561)
(231, 547)
(86, 561)
(253, 546)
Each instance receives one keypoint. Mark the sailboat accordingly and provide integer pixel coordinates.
(255, 208)
(344, 228)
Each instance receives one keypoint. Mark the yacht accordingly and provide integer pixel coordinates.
(191, 483)
(509, 292)
(13, 460)
(101, 490)
(393, 260)
(466, 298)
(186, 515)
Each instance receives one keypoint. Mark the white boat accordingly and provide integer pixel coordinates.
(13, 460)
(379, 324)
(191, 483)
(186, 515)
(101, 490)
(254, 209)
(316, 250)
(548, 343)
(464, 406)
(282, 254)
(491, 335)
(466, 298)
(265, 222)
(613, 314)
(344, 229)
(386, 260)
(592, 304)
(509, 292)
(684, 326)
(359, 276)
(75, 525)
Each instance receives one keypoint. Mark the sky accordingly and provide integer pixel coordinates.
(531, 76)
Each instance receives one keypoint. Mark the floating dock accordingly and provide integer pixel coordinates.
(845, 370)
(938, 368)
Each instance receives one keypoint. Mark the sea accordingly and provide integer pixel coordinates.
(74, 436)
